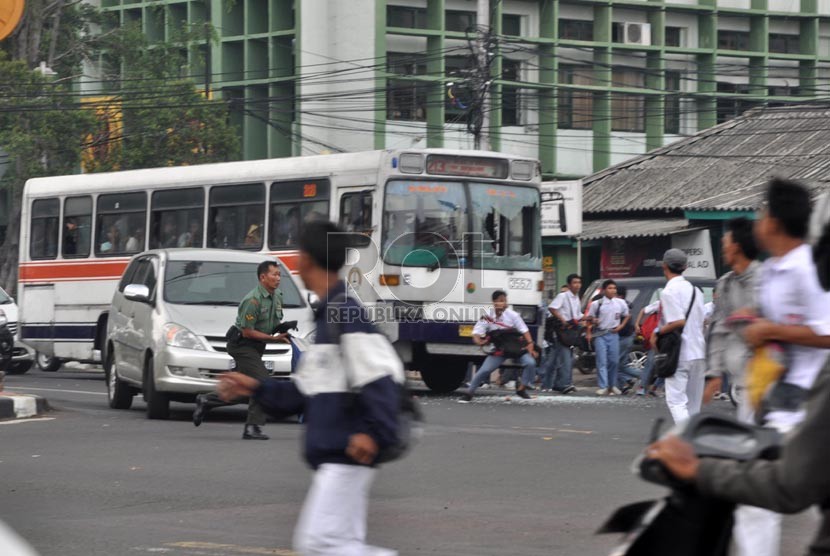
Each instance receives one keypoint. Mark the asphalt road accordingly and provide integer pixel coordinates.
(493, 477)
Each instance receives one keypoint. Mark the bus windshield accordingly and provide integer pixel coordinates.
(427, 223)
(219, 283)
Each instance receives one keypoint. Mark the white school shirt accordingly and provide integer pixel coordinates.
(789, 293)
(674, 301)
(567, 303)
(609, 312)
(508, 319)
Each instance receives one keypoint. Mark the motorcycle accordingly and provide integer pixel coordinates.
(685, 522)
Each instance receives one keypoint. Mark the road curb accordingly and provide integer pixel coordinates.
(21, 406)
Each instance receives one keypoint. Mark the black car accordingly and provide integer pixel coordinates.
(640, 292)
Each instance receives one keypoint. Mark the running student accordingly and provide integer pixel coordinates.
(347, 386)
(502, 318)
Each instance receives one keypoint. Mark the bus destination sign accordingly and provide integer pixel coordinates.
(473, 167)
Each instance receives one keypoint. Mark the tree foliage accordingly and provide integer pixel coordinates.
(148, 113)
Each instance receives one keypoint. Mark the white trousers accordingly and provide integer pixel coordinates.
(757, 532)
(684, 390)
(333, 519)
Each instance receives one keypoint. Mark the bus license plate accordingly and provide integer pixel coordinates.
(465, 330)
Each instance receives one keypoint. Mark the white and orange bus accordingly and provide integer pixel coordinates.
(435, 233)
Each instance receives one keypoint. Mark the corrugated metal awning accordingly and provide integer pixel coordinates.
(621, 229)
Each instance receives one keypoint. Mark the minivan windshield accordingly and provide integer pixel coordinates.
(4, 298)
(219, 283)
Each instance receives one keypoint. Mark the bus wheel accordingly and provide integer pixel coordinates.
(48, 364)
(445, 374)
(119, 395)
(158, 403)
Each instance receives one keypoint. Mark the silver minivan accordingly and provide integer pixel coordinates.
(168, 319)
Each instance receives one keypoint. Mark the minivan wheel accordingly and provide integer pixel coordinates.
(119, 395)
(48, 364)
(158, 403)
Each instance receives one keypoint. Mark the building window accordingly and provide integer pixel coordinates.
(671, 114)
(575, 107)
(783, 91)
(784, 44)
(460, 21)
(511, 25)
(511, 71)
(576, 29)
(733, 40)
(732, 107)
(673, 36)
(628, 111)
(406, 17)
(459, 98)
(405, 99)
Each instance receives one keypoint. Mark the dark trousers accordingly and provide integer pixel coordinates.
(249, 362)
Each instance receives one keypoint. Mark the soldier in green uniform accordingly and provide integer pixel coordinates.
(260, 312)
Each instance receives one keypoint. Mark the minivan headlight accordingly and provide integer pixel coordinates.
(176, 335)
(3, 319)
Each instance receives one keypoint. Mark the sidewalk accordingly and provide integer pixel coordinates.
(20, 406)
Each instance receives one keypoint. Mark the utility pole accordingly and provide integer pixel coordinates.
(483, 58)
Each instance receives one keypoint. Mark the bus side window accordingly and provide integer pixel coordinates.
(356, 216)
(120, 224)
(77, 227)
(293, 203)
(44, 232)
(177, 218)
(236, 216)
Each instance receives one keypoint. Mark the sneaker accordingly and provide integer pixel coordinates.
(569, 389)
(466, 397)
(523, 394)
(616, 391)
(602, 392)
(510, 385)
(641, 392)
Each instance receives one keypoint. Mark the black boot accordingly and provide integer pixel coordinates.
(202, 408)
(253, 432)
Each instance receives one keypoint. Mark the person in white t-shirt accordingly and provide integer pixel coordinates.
(608, 315)
(795, 312)
(501, 318)
(558, 372)
(684, 389)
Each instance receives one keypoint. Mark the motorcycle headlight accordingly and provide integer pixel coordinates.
(3, 319)
(176, 335)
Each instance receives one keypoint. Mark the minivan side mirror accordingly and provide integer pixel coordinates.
(313, 301)
(137, 292)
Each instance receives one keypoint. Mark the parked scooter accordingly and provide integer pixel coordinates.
(686, 523)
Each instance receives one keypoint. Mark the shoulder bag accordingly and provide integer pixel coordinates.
(668, 346)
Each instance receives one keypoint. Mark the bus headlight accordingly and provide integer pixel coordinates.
(176, 335)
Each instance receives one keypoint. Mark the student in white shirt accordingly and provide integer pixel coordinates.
(608, 316)
(567, 308)
(502, 318)
(684, 389)
(795, 312)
